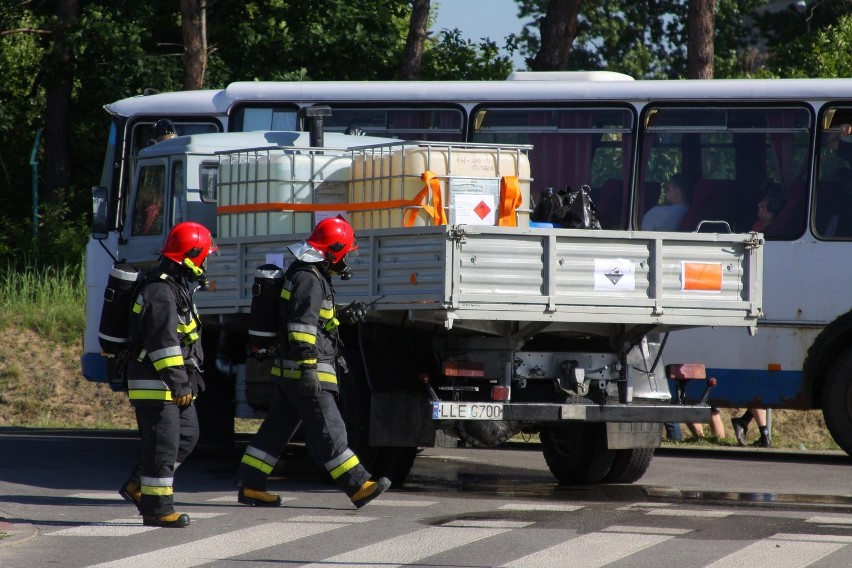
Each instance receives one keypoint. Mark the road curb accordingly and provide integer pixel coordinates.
(15, 533)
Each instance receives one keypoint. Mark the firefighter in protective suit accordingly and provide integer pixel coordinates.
(306, 373)
(164, 371)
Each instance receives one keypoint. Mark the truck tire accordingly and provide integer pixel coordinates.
(837, 401)
(577, 454)
(395, 463)
(629, 465)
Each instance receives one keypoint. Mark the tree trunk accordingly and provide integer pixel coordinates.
(410, 69)
(700, 28)
(194, 28)
(558, 30)
(59, 81)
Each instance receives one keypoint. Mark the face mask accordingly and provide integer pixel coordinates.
(341, 269)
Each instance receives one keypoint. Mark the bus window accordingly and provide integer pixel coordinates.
(729, 156)
(571, 147)
(833, 201)
(209, 175)
(433, 124)
(148, 208)
(178, 194)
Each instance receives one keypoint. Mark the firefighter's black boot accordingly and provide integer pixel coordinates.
(369, 491)
(173, 520)
(258, 498)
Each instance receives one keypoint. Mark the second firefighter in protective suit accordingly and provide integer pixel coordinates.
(306, 373)
(164, 371)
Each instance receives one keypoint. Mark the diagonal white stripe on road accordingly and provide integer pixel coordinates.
(408, 548)
(589, 551)
(221, 546)
(690, 513)
(114, 527)
(778, 554)
(539, 507)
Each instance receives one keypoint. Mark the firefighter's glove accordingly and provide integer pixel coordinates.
(353, 313)
(182, 395)
(309, 384)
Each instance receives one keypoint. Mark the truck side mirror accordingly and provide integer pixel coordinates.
(100, 213)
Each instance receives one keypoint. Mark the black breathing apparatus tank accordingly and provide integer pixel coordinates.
(263, 319)
(114, 329)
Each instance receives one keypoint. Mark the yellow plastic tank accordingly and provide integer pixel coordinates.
(464, 184)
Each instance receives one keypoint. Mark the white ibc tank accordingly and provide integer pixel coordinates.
(266, 177)
(466, 184)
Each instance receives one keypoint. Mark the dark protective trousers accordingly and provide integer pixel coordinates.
(169, 434)
(325, 431)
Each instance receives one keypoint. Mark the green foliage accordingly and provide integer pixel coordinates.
(822, 53)
(454, 59)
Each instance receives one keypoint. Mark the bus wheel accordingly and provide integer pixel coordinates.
(837, 401)
(629, 465)
(577, 453)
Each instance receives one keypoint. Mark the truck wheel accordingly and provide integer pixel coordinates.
(837, 401)
(577, 453)
(629, 465)
(395, 463)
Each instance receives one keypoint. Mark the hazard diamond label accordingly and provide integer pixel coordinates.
(482, 210)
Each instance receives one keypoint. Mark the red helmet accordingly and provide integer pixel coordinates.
(189, 240)
(333, 237)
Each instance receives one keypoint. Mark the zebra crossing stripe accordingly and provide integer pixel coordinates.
(385, 502)
(689, 513)
(118, 527)
(222, 546)
(410, 547)
(539, 507)
(843, 520)
(779, 553)
(590, 550)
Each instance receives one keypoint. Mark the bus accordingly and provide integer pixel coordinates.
(624, 138)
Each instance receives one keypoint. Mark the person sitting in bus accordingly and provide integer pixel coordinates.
(677, 194)
(768, 208)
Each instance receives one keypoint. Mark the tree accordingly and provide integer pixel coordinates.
(642, 38)
(700, 26)
(59, 78)
(826, 52)
(411, 59)
(558, 30)
(194, 30)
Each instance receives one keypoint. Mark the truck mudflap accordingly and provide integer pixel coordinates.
(583, 412)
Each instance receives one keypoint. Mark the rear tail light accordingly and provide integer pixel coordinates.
(500, 393)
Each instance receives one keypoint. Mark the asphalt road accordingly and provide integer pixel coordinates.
(459, 508)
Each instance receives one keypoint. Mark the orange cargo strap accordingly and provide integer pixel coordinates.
(510, 200)
(433, 187)
(310, 207)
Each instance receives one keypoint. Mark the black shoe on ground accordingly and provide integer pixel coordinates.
(258, 498)
(763, 442)
(739, 431)
(173, 520)
(369, 491)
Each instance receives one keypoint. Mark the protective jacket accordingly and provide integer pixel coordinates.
(308, 329)
(166, 356)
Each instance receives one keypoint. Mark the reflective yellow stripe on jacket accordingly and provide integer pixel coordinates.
(290, 370)
(148, 389)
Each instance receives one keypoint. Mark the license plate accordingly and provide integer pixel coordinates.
(467, 411)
